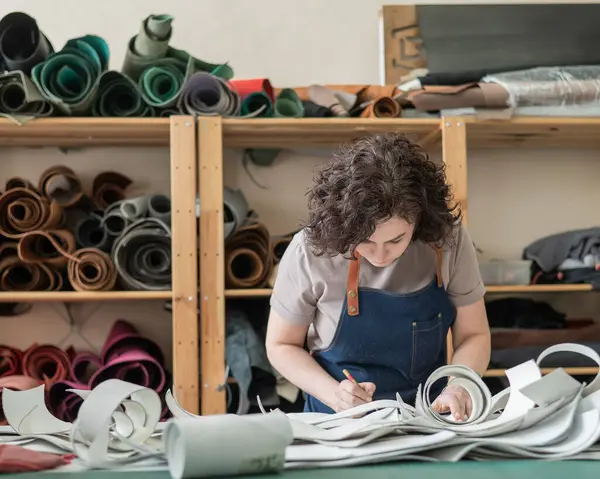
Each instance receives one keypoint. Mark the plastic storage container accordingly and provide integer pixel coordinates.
(505, 272)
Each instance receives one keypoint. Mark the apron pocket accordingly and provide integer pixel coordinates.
(427, 337)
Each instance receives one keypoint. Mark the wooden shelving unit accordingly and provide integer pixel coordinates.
(179, 134)
(450, 132)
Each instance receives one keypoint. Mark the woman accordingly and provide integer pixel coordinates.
(381, 272)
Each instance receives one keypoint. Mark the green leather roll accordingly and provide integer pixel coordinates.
(161, 70)
(288, 105)
(70, 78)
(119, 96)
(20, 99)
(257, 104)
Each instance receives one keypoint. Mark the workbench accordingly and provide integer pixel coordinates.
(462, 470)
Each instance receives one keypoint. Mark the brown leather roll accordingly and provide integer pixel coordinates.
(248, 257)
(23, 210)
(383, 107)
(16, 275)
(62, 184)
(17, 182)
(108, 188)
(92, 270)
(39, 247)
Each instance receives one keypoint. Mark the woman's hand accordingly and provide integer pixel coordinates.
(455, 399)
(349, 394)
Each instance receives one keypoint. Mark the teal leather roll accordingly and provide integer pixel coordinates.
(257, 104)
(119, 96)
(70, 78)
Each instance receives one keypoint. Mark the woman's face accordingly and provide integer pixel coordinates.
(387, 243)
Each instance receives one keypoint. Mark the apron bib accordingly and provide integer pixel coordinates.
(392, 340)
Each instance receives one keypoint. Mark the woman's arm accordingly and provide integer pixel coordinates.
(284, 343)
(471, 337)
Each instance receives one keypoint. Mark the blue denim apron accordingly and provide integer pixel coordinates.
(392, 340)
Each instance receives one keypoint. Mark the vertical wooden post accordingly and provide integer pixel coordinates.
(212, 273)
(454, 151)
(184, 262)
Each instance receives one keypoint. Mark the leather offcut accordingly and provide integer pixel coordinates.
(248, 257)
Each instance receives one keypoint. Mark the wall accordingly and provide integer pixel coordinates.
(515, 196)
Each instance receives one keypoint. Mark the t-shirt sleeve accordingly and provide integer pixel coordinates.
(465, 285)
(293, 296)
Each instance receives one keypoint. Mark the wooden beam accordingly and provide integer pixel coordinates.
(430, 139)
(212, 258)
(402, 43)
(184, 262)
(454, 151)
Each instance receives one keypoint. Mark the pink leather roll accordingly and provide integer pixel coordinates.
(83, 367)
(130, 357)
(11, 361)
(123, 337)
(135, 366)
(16, 383)
(62, 403)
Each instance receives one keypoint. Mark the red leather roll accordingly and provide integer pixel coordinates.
(246, 87)
(11, 361)
(46, 363)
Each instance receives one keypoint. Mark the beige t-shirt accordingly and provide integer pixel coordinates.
(311, 290)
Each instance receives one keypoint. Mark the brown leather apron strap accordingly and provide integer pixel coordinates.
(352, 285)
(440, 255)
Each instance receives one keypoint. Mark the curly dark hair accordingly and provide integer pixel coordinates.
(371, 180)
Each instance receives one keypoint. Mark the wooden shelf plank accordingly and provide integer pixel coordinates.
(315, 132)
(532, 132)
(539, 288)
(75, 296)
(582, 371)
(503, 289)
(82, 132)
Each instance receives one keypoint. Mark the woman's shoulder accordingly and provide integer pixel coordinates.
(300, 248)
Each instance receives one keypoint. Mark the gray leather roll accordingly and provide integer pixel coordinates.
(142, 255)
(135, 208)
(91, 233)
(20, 99)
(207, 95)
(235, 210)
(114, 222)
(159, 207)
(22, 44)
